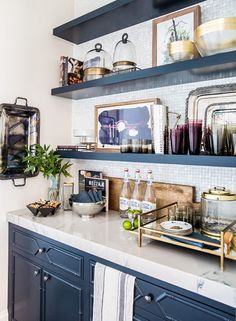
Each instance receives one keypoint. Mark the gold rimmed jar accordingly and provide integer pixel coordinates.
(182, 50)
(216, 36)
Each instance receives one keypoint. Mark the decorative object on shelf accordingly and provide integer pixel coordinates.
(202, 104)
(46, 160)
(83, 136)
(125, 120)
(177, 26)
(82, 174)
(179, 139)
(43, 208)
(160, 129)
(194, 136)
(220, 129)
(182, 50)
(97, 63)
(20, 127)
(218, 207)
(222, 247)
(71, 71)
(67, 191)
(84, 147)
(216, 36)
(124, 55)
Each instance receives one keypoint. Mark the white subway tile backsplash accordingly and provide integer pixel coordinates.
(172, 96)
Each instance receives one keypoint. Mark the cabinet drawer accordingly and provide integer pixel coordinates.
(171, 306)
(53, 255)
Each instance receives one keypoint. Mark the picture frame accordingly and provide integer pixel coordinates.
(116, 121)
(180, 24)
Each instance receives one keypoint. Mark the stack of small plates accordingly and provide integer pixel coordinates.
(177, 227)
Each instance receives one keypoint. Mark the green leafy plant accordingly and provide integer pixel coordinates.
(45, 160)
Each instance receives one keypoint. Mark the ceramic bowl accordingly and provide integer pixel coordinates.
(216, 36)
(182, 50)
(87, 210)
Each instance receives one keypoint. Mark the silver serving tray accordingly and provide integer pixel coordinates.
(200, 98)
(222, 114)
(19, 129)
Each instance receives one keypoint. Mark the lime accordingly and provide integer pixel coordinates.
(127, 225)
(130, 211)
(135, 223)
(137, 212)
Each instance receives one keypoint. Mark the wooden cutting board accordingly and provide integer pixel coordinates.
(165, 193)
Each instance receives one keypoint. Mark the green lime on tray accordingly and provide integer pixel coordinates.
(135, 224)
(127, 225)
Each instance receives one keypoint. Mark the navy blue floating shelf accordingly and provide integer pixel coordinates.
(199, 69)
(218, 161)
(115, 16)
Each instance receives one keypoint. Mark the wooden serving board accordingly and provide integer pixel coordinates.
(165, 193)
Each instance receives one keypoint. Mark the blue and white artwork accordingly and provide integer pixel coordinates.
(129, 121)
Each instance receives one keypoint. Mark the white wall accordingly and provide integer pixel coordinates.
(29, 60)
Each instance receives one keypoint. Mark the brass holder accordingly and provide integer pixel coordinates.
(149, 227)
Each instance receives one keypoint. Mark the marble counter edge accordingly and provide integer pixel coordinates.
(197, 284)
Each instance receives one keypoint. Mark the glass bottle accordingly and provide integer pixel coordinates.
(125, 195)
(149, 200)
(137, 197)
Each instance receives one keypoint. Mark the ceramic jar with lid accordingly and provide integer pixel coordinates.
(218, 210)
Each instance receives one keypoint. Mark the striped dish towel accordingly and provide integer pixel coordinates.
(113, 295)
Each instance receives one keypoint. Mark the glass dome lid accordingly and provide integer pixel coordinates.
(98, 58)
(124, 54)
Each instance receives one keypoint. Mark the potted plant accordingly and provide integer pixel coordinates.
(46, 160)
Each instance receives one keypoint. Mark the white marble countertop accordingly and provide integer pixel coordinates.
(104, 237)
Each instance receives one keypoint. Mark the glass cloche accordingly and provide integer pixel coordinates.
(97, 63)
(124, 54)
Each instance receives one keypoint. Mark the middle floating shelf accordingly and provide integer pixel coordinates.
(194, 160)
(200, 69)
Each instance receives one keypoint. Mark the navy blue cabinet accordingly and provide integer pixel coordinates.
(26, 281)
(50, 281)
(61, 300)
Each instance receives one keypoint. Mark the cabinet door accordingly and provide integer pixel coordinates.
(62, 300)
(26, 290)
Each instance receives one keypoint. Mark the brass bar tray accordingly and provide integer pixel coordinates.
(149, 227)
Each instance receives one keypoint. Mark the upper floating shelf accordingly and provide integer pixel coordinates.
(200, 69)
(115, 16)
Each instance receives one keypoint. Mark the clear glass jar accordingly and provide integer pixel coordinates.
(218, 210)
(124, 54)
(67, 191)
(97, 63)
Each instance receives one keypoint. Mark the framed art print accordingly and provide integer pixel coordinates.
(176, 26)
(126, 120)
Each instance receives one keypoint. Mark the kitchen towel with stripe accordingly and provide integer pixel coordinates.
(113, 294)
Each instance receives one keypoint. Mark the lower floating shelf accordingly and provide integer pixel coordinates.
(217, 161)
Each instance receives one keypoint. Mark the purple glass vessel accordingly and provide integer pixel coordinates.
(179, 139)
(195, 136)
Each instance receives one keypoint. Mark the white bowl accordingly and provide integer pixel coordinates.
(216, 36)
(87, 210)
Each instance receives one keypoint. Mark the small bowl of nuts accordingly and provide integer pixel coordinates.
(44, 208)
